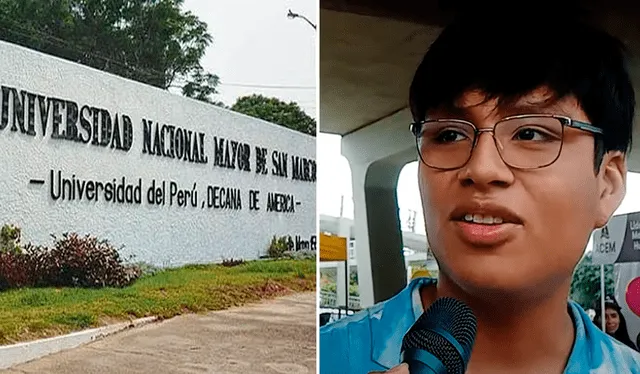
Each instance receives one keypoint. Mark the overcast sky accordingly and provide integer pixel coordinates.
(255, 44)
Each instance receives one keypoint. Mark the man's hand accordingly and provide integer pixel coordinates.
(400, 369)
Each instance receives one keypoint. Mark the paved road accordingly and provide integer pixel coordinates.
(273, 337)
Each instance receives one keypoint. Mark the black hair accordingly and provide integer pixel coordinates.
(506, 53)
(622, 333)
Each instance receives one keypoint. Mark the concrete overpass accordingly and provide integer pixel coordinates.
(369, 50)
(345, 227)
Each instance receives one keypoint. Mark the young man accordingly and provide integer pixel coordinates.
(522, 123)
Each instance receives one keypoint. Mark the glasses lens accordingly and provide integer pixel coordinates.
(529, 142)
(445, 144)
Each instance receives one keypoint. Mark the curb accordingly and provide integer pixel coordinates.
(21, 353)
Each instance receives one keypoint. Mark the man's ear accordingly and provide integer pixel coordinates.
(612, 185)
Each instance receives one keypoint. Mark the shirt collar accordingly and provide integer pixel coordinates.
(390, 321)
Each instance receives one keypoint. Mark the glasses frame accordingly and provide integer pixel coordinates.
(416, 129)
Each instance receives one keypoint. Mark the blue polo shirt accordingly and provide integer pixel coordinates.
(371, 339)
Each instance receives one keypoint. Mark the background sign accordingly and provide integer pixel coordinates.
(632, 296)
(618, 241)
(333, 248)
(627, 292)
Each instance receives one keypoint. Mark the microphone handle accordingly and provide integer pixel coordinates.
(422, 362)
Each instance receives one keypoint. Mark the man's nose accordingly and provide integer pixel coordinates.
(486, 166)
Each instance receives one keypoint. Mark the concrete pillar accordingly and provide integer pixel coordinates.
(341, 290)
(376, 154)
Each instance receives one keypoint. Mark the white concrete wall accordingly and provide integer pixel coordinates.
(162, 235)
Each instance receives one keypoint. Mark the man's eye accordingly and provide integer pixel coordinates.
(449, 136)
(533, 134)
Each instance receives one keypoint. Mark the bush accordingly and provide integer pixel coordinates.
(585, 284)
(329, 287)
(88, 262)
(333, 288)
(300, 255)
(15, 270)
(279, 246)
(10, 239)
(230, 262)
(73, 261)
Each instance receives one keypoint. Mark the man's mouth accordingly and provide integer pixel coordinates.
(484, 214)
(482, 219)
(485, 225)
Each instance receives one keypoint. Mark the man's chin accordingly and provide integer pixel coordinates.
(497, 285)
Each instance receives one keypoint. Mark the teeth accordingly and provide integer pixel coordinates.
(482, 219)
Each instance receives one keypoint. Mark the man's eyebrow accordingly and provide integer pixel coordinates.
(532, 107)
(450, 110)
(547, 104)
(550, 105)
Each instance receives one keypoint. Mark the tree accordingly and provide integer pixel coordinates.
(150, 41)
(276, 111)
(585, 285)
(202, 86)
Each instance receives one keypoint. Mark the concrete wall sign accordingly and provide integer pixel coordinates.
(173, 180)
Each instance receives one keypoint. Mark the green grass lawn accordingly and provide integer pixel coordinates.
(28, 314)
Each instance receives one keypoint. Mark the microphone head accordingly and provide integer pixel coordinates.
(452, 317)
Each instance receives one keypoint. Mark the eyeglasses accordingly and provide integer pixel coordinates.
(528, 141)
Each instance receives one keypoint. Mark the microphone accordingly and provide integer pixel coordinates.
(440, 341)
